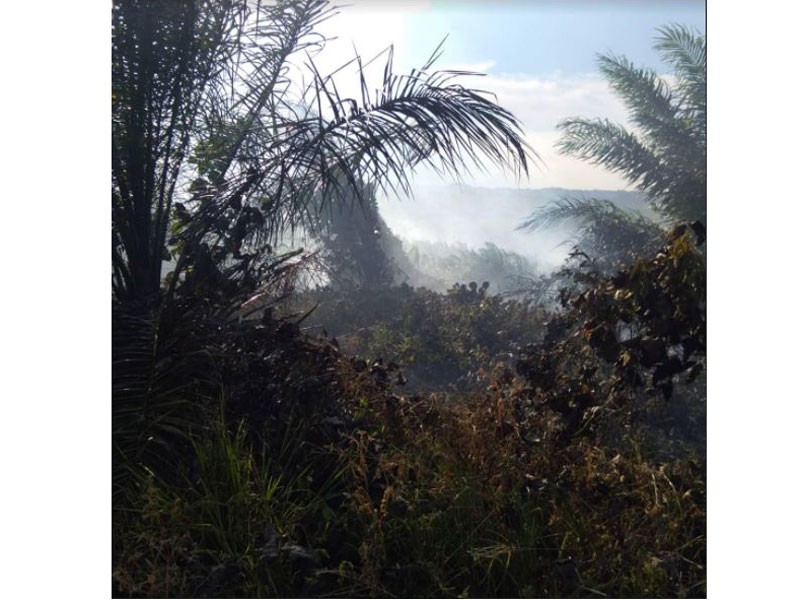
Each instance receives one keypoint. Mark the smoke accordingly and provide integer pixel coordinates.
(471, 217)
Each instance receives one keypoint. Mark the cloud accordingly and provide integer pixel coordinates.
(369, 28)
(480, 68)
(540, 104)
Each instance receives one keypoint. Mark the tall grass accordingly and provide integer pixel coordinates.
(239, 525)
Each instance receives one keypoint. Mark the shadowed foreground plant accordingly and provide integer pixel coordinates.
(161, 383)
(240, 526)
(625, 340)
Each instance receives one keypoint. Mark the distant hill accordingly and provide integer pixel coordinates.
(534, 198)
(473, 216)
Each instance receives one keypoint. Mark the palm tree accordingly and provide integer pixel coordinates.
(665, 157)
(217, 150)
(355, 242)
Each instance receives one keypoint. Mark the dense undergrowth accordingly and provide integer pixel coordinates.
(444, 341)
(430, 445)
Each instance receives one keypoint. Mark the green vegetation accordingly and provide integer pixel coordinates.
(444, 341)
(362, 438)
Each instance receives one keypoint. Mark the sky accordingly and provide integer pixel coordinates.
(539, 59)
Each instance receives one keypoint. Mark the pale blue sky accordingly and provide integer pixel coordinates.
(541, 38)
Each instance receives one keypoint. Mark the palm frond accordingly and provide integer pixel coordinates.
(604, 143)
(685, 50)
(421, 117)
(647, 97)
(580, 211)
(610, 233)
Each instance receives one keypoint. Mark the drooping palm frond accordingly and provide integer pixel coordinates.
(609, 233)
(422, 117)
(607, 144)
